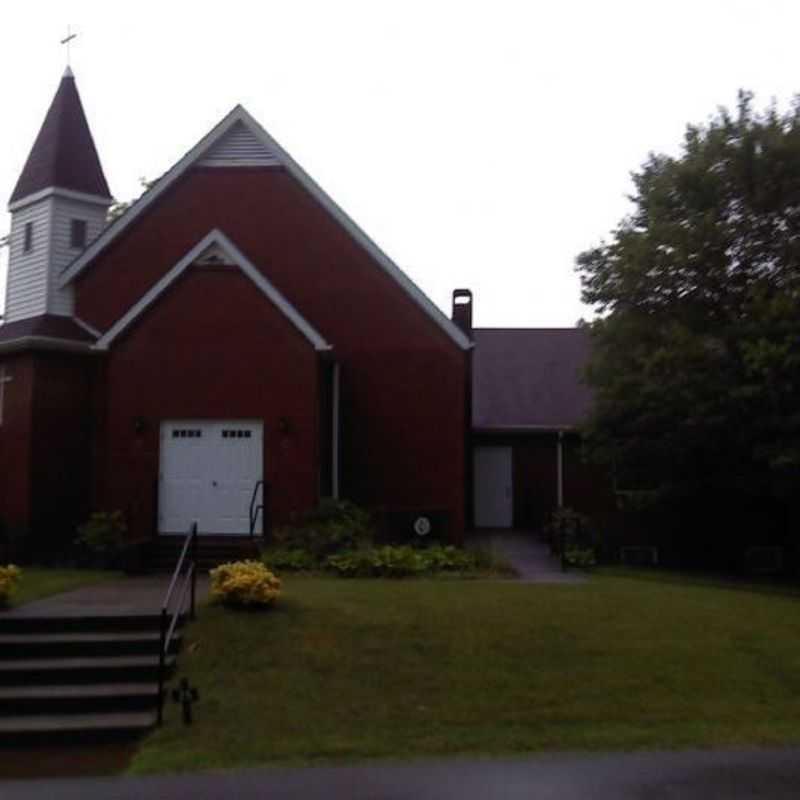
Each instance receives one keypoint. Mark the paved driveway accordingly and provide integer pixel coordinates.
(692, 775)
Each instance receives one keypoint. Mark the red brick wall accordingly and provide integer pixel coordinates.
(213, 347)
(402, 377)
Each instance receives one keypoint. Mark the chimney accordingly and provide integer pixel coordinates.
(462, 310)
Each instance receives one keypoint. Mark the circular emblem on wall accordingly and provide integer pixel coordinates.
(422, 526)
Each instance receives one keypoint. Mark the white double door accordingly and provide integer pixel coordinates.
(208, 472)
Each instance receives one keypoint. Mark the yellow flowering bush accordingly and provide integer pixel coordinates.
(244, 583)
(9, 577)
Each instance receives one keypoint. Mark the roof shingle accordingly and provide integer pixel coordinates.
(530, 378)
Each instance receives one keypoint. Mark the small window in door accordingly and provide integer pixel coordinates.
(186, 433)
(230, 433)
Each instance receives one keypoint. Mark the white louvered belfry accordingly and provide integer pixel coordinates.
(239, 147)
(33, 275)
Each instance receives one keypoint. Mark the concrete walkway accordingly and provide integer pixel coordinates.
(125, 596)
(527, 553)
(690, 775)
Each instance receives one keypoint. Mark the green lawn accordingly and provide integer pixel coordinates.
(346, 670)
(43, 581)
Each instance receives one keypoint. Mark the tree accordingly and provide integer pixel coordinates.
(119, 207)
(696, 359)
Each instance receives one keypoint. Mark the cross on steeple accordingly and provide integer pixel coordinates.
(4, 379)
(68, 42)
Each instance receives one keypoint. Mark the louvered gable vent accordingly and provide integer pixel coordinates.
(239, 147)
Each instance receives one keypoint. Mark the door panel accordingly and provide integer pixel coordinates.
(494, 507)
(208, 473)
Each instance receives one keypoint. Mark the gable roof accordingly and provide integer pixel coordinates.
(241, 124)
(63, 155)
(216, 243)
(530, 378)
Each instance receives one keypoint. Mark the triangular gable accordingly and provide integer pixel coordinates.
(229, 133)
(240, 147)
(214, 248)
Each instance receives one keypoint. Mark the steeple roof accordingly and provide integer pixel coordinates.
(63, 155)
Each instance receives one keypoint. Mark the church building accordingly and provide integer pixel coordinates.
(234, 339)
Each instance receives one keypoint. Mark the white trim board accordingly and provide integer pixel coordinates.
(240, 115)
(56, 191)
(214, 239)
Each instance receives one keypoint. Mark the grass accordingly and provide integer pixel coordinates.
(348, 670)
(38, 582)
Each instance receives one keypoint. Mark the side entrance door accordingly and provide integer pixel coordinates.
(494, 505)
(208, 472)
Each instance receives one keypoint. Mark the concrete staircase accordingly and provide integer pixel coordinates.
(212, 550)
(67, 676)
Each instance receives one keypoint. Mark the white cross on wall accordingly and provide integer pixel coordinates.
(4, 379)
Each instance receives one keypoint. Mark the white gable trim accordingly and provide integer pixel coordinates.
(215, 239)
(90, 329)
(239, 114)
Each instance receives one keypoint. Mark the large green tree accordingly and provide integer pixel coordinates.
(696, 356)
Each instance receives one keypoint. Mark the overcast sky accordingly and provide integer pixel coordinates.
(480, 144)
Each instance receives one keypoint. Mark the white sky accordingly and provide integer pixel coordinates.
(480, 144)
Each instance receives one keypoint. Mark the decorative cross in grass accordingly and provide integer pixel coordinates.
(185, 695)
(4, 379)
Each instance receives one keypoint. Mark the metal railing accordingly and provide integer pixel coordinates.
(188, 581)
(256, 509)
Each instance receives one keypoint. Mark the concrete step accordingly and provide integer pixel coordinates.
(53, 727)
(63, 671)
(15, 646)
(72, 699)
(24, 623)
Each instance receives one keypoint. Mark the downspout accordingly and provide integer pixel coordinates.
(560, 470)
(335, 434)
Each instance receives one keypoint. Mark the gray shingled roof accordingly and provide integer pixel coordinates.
(530, 377)
(49, 326)
(63, 155)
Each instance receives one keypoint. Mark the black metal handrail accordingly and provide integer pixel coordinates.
(167, 626)
(255, 509)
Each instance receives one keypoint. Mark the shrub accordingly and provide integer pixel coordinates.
(402, 561)
(450, 559)
(103, 534)
(387, 562)
(581, 557)
(9, 578)
(244, 583)
(352, 564)
(290, 560)
(570, 527)
(332, 527)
